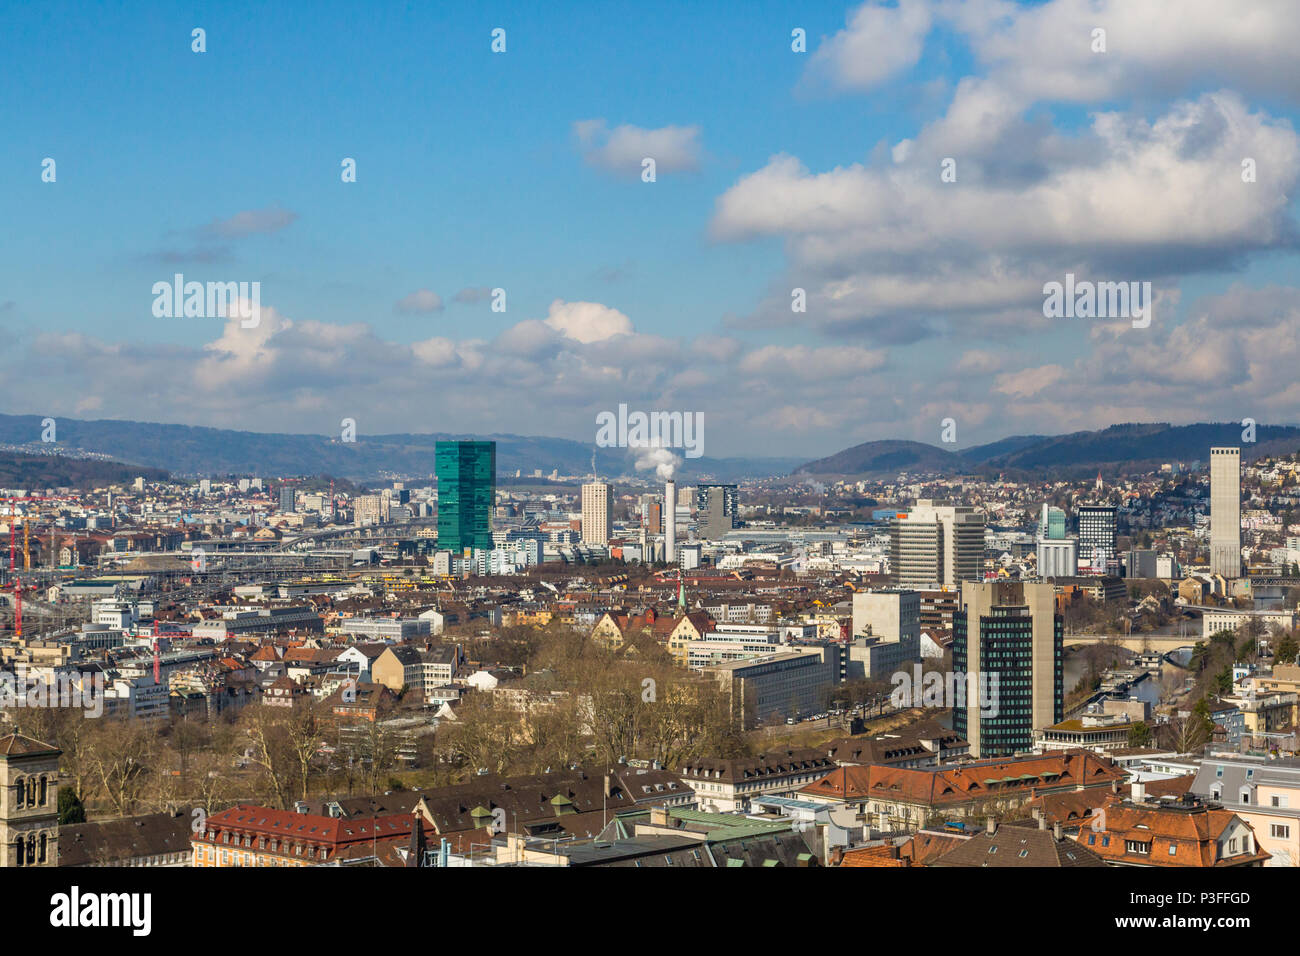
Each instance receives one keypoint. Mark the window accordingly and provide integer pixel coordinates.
(1280, 830)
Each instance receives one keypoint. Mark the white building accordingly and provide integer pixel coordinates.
(1225, 512)
(597, 516)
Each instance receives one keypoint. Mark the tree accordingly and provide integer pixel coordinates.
(1139, 735)
(119, 754)
(1287, 650)
(71, 809)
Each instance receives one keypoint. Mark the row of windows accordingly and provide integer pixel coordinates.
(32, 850)
(32, 792)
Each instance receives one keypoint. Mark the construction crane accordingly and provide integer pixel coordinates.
(27, 557)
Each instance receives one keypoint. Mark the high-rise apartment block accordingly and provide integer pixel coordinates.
(936, 545)
(597, 513)
(1007, 642)
(1225, 512)
(288, 498)
(467, 477)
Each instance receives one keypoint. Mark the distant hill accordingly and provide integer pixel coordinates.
(886, 457)
(1003, 447)
(196, 451)
(1120, 449)
(58, 471)
(1132, 448)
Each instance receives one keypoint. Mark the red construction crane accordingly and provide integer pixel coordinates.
(18, 584)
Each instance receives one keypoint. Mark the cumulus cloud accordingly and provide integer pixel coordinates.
(422, 300)
(622, 149)
(1137, 200)
(587, 322)
(878, 43)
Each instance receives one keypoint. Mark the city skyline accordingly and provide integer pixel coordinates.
(819, 171)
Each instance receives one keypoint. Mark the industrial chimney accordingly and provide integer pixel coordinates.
(670, 521)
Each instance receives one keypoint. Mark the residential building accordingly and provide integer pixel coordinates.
(597, 516)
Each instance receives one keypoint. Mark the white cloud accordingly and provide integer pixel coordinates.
(422, 300)
(622, 149)
(587, 321)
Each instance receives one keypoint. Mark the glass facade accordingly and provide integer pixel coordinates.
(467, 478)
(1003, 647)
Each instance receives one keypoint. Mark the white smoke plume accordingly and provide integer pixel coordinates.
(653, 455)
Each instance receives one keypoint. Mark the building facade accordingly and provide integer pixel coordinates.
(936, 545)
(466, 473)
(1225, 512)
(597, 513)
(29, 802)
(1008, 638)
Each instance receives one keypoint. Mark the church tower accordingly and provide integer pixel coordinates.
(29, 802)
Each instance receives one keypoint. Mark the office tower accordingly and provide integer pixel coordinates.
(1097, 527)
(653, 517)
(1007, 642)
(596, 513)
(670, 521)
(467, 476)
(730, 495)
(717, 506)
(205, 486)
(1225, 512)
(936, 545)
(287, 498)
(1052, 524)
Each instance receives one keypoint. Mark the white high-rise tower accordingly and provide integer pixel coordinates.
(1225, 512)
(670, 521)
(596, 513)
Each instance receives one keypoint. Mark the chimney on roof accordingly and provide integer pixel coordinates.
(1041, 818)
(1139, 791)
(1056, 832)
(991, 824)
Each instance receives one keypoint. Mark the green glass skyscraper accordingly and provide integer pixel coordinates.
(467, 480)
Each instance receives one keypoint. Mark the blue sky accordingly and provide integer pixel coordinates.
(777, 170)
